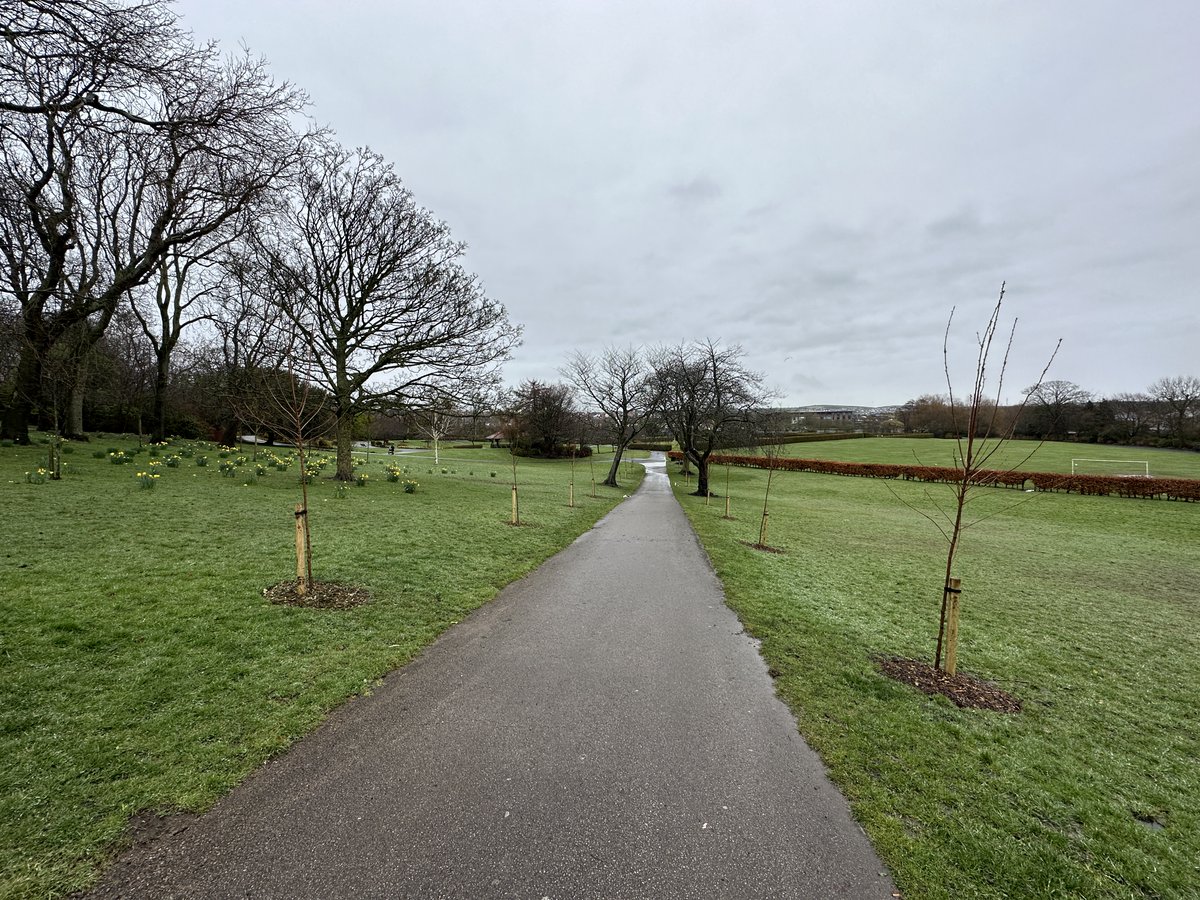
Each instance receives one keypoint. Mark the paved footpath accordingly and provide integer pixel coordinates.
(602, 729)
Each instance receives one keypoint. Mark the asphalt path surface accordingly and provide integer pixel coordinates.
(602, 729)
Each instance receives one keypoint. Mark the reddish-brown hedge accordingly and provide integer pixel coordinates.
(1093, 485)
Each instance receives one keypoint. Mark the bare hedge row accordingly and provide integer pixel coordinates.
(1094, 485)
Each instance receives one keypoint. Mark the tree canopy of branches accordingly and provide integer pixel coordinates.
(1180, 396)
(1051, 407)
(620, 385)
(708, 399)
(543, 419)
(374, 285)
(119, 142)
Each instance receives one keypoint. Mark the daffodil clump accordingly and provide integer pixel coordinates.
(147, 480)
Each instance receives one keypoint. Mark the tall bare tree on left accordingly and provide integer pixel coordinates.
(374, 285)
(120, 142)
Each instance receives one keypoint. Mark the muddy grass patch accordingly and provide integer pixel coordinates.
(320, 595)
(962, 689)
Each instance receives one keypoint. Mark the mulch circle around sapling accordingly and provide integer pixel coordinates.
(967, 691)
(320, 595)
(765, 548)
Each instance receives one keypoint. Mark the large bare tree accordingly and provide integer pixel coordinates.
(1179, 398)
(119, 141)
(708, 399)
(1052, 407)
(375, 285)
(619, 383)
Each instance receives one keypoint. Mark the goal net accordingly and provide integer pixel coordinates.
(1129, 468)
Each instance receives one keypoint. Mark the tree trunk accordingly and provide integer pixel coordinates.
(75, 412)
(159, 426)
(26, 386)
(701, 477)
(611, 480)
(345, 446)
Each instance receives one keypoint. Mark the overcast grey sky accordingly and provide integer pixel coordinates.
(820, 182)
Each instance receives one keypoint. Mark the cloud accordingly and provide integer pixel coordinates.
(698, 190)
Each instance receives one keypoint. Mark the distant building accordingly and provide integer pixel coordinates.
(826, 418)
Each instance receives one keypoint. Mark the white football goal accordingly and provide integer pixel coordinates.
(1128, 468)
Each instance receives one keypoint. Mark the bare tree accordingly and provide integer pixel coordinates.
(436, 424)
(88, 57)
(375, 285)
(175, 298)
(1132, 413)
(980, 438)
(96, 190)
(1180, 396)
(1052, 404)
(278, 397)
(708, 399)
(544, 418)
(620, 384)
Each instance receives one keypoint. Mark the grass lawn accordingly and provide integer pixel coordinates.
(140, 665)
(1053, 456)
(1086, 608)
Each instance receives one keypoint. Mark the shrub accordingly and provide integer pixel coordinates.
(410, 487)
(202, 461)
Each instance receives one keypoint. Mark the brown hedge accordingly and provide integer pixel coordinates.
(1092, 485)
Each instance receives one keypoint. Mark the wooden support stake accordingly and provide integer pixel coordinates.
(762, 531)
(571, 496)
(301, 566)
(515, 518)
(953, 592)
(593, 487)
(727, 515)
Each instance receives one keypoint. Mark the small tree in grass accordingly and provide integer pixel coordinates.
(979, 438)
(281, 399)
(769, 451)
(435, 424)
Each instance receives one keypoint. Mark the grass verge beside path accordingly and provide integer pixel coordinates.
(140, 665)
(1086, 608)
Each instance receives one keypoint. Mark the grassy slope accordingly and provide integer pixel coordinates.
(140, 666)
(1086, 608)
(1050, 457)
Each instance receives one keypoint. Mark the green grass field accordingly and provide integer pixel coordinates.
(140, 665)
(1051, 456)
(1086, 608)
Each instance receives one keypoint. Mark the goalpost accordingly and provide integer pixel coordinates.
(1124, 468)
